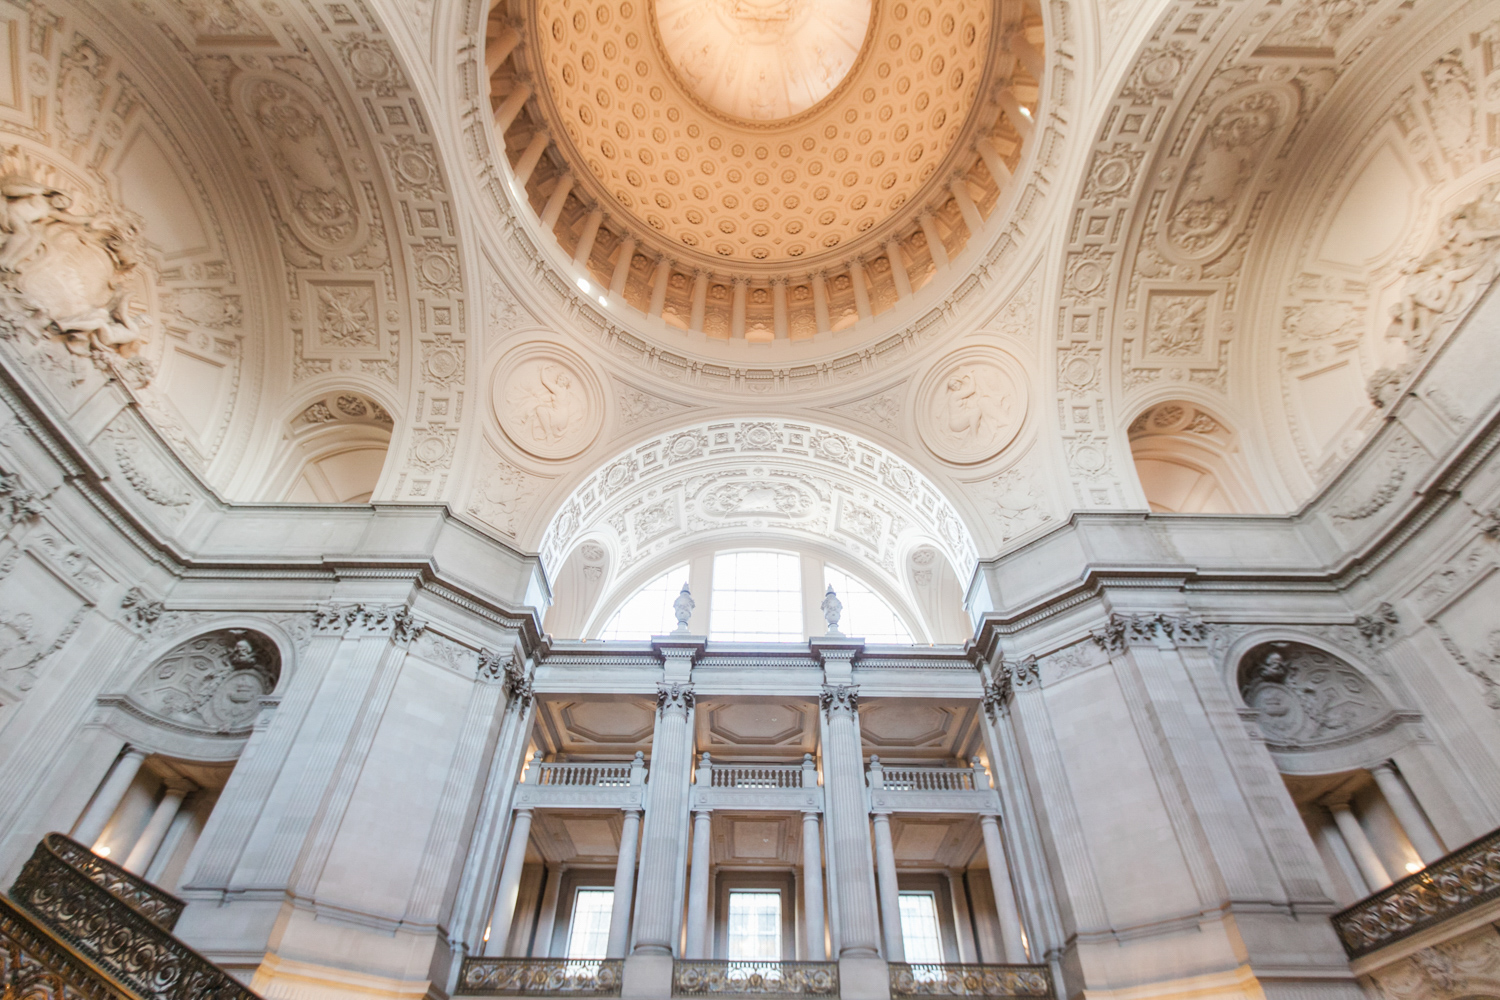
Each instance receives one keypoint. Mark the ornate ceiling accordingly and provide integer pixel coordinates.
(527, 242)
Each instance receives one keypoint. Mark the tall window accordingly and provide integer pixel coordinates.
(755, 925)
(865, 612)
(588, 932)
(649, 611)
(919, 929)
(757, 597)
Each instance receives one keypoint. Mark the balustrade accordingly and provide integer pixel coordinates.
(757, 979)
(969, 980)
(1449, 886)
(519, 977)
(756, 776)
(928, 779)
(580, 775)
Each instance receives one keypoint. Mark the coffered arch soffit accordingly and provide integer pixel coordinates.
(803, 482)
(1235, 134)
(297, 227)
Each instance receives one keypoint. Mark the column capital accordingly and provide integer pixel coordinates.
(1158, 629)
(837, 699)
(674, 698)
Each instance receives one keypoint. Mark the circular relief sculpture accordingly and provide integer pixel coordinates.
(547, 401)
(970, 406)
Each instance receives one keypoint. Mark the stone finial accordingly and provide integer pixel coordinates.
(833, 609)
(683, 609)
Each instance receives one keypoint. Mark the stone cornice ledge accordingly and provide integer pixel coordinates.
(424, 544)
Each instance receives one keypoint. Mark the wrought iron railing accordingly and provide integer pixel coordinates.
(757, 776)
(73, 899)
(159, 907)
(580, 775)
(927, 779)
(970, 980)
(701, 978)
(522, 977)
(1447, 887)
(34, 966)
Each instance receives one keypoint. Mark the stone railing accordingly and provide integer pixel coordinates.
(521, 977)
(1447, 887)
(956, 980)
(64, 890)
(757, 776)
(574, 775)
(700, 978)
(927, 779)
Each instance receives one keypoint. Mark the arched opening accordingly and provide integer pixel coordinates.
(1189, 462)
(1344, 757)
(188, 716)
(334, 450)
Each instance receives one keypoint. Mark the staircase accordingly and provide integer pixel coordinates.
(79, 927)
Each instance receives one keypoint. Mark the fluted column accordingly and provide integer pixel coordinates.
(109, 796)
(1408, 812)
(147, 844)
(1365, 858)
(890, 892)
(812, 871)
(666, 803)
(1011, 937)
(619, 917)
(510, 882)
(850, 854)
(697, 928)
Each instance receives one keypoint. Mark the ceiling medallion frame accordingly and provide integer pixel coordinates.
(872, 31)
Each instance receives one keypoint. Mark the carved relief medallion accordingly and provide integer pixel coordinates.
(971, 406)
(547, 400)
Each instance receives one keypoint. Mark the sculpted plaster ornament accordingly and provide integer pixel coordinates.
(971, 407)
(682, 609)
(832, 609)
(1441, 284)
(1306, 697)
(544, 405)
(66, 275)
(213, 682)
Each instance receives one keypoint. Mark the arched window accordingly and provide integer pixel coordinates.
(866, 613)
(649, 610)
(757, 597)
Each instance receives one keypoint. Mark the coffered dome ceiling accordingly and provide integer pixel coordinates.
(762, 169)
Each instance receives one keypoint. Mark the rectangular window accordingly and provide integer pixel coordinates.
(755, 926)
(919, 929)
(756, 597)
(588, 931)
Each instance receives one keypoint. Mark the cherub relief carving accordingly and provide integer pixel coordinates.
(67, 275)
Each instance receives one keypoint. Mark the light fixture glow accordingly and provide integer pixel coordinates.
(1412, 867)
(583, 284)
(103, 852)
(1026, 111)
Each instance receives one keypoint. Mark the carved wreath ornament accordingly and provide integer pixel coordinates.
(67, 276)
(213, 682)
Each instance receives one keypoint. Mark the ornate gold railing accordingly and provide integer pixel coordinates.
(521, 977)
(970, 980)
(704, 977)
(1447, 887)
(76, 900)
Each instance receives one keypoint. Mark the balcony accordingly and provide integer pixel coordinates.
(1450, 886)
(524, 977)
(970, 980)
(583, 784)
(702, 978)
(772, 787)
(931, 789)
